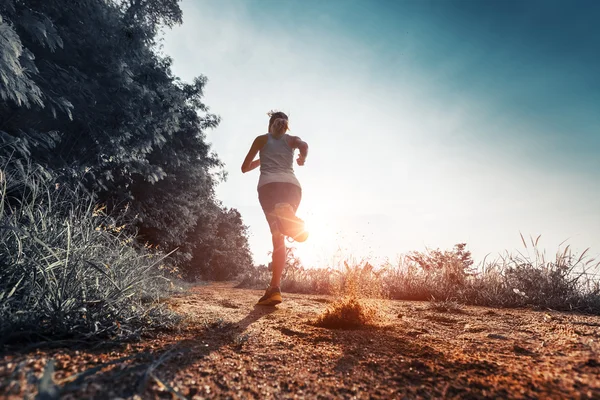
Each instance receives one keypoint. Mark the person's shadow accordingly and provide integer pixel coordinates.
(221, 333)
(254, 315)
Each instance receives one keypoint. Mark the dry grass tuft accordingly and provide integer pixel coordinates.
(446, 306)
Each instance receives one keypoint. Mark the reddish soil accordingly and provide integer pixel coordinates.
(232, 349)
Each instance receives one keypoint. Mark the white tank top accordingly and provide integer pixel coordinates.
(277, 161)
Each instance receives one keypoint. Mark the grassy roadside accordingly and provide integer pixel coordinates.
(67, 269)
(519, 279)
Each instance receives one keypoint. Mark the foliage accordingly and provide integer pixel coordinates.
(225, 254)
(67, 268)
(17, 66)
(90, 114)
(86, 94)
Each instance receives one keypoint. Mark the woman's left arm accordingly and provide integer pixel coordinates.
(249, 162)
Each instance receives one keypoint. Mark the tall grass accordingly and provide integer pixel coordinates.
(67, 269)
(295, 279)
(518, 279)
(563, 282)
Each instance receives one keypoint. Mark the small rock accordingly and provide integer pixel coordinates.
(473, 328)
(592, 362)
(497, 336)
(522, 350)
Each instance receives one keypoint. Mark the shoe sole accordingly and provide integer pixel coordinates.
(301, 237)
(273, 301)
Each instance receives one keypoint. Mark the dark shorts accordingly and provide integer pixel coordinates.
(279, 192)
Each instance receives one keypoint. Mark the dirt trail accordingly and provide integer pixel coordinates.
(233, 349)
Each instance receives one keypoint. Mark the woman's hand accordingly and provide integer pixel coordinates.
(301, 145)
(254, 164)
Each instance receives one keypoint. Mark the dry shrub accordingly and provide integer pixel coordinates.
(255, 278)
(445, 306)
(358, 280)
(565, 282)
(294, 280)
(430, 274)
(309, 280)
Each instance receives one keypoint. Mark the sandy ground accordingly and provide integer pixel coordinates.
(232, 349)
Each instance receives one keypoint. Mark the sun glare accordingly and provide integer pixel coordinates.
(322, 240)
(332, 241)
(333, 238)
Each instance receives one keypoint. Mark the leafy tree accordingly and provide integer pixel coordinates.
(149, 15)
(225, 254)
(85, 93)
(17, 66)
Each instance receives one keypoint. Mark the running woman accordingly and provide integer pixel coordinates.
(279, 192)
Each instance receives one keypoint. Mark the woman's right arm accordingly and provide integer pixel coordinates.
(301, 145)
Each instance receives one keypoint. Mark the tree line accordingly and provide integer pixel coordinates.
(86, 95)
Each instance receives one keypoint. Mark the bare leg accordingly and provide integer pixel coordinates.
(278, 259)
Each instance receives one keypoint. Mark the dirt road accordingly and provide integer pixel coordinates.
(232, 349)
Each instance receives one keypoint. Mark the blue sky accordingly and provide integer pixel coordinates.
(429, 122)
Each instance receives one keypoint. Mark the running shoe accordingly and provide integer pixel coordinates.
(272, 297)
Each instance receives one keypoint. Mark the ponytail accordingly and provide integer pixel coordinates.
(278, 123)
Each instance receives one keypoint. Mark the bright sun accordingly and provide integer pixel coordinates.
(323, 239)
(319, 235)
(331, 239)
